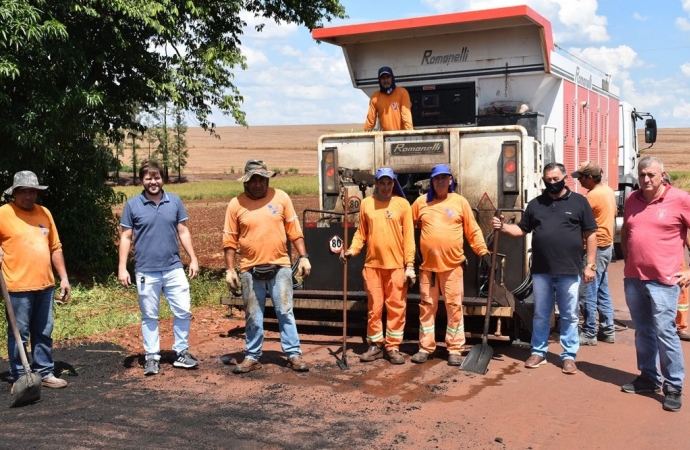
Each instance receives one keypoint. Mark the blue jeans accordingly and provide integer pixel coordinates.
(174, 284)
(595, 297)
(549, 289)
(653, 308)
(34, 313)
(254, 297)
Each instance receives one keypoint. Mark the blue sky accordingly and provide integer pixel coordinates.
(644, 46)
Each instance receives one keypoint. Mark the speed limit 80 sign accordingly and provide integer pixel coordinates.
(336, 244)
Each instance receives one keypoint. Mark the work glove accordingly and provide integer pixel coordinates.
(232, 279)
(303, 267)
(486, 260)
(344, 256)
(410, 276)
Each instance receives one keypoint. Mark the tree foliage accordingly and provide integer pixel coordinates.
(73, 70)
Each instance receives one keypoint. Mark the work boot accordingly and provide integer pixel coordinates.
(53, 382)
(420, 357)
(535, 361)
(247, 366)
(454, 359)
(607, 334)
(297, 364)
(375, 352)
(569, 367)
(684, 335)
(587, 340)
(395, 357)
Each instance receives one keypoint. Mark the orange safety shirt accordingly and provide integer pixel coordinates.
(602, 199)
(28, 239)
(387, 230)
(443, 223)
(259, 229)
(394, 110)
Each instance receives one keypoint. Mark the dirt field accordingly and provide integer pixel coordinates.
(110, 404)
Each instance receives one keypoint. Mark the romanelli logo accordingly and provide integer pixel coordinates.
(417, 148)
(430, 58)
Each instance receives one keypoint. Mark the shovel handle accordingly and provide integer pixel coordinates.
(346, 219)
(492, 280)
(13, 323)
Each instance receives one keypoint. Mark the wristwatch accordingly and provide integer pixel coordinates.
(592, 266)
(306, 255)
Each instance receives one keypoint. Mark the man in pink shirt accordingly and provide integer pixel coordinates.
(653, 279)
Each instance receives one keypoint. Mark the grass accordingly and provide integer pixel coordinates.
(681, 180)
(199, 190)
(104, 307)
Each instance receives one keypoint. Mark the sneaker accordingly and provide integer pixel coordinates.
(569, 367)
(395, 357)
(247, 366)
(151, 367)
(454, 359)
(607, 338)
(420, 357)
(297, 364)
(672, 401)
(53, 382)
(375, 352)
(186, 360)
(641, 385)
(684, 335)
(587, 340)
(535, 361)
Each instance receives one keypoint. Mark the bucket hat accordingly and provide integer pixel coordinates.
(256, 167)
(24, 179)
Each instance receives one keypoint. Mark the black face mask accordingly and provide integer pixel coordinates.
(555, 188)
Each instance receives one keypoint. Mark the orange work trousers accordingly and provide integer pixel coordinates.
(450, 284)
(385, 287)
(683, 304)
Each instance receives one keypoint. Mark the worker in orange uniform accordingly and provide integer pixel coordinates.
(444, 216)
(391, 104)
(385, 226)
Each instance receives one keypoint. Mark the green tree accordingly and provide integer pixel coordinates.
(74, 70)
(135, 136)
(179, 143)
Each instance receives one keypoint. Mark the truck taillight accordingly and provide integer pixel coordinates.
(509, 164)
(329, 172)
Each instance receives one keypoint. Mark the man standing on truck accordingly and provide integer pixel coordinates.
(385, 226)
(390, 104)
(595, 296)
(258, 224)
(559, 219)
(443, 217)
(655, 225)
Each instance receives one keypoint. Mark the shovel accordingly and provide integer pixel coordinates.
(27, 389)
(477, 360)
(342, 362)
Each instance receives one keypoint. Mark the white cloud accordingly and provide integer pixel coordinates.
(682, 24)
(685, 68)
(686, 5)
(681, 110)
(271, 29)
(612, 60)
(639, 17)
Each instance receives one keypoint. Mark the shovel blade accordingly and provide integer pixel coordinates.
(342, 363)
(26, 390)
(477, 360)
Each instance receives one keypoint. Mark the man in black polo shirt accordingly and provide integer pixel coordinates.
(559, 219)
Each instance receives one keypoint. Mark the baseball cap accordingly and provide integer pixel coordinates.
(440, 169)
(588, 168)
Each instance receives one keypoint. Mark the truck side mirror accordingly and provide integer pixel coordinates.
(650, 131)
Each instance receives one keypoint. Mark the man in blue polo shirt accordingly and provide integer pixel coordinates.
(154, 220)
(560, 220)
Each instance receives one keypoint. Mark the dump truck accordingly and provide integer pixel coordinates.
(494, 100)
